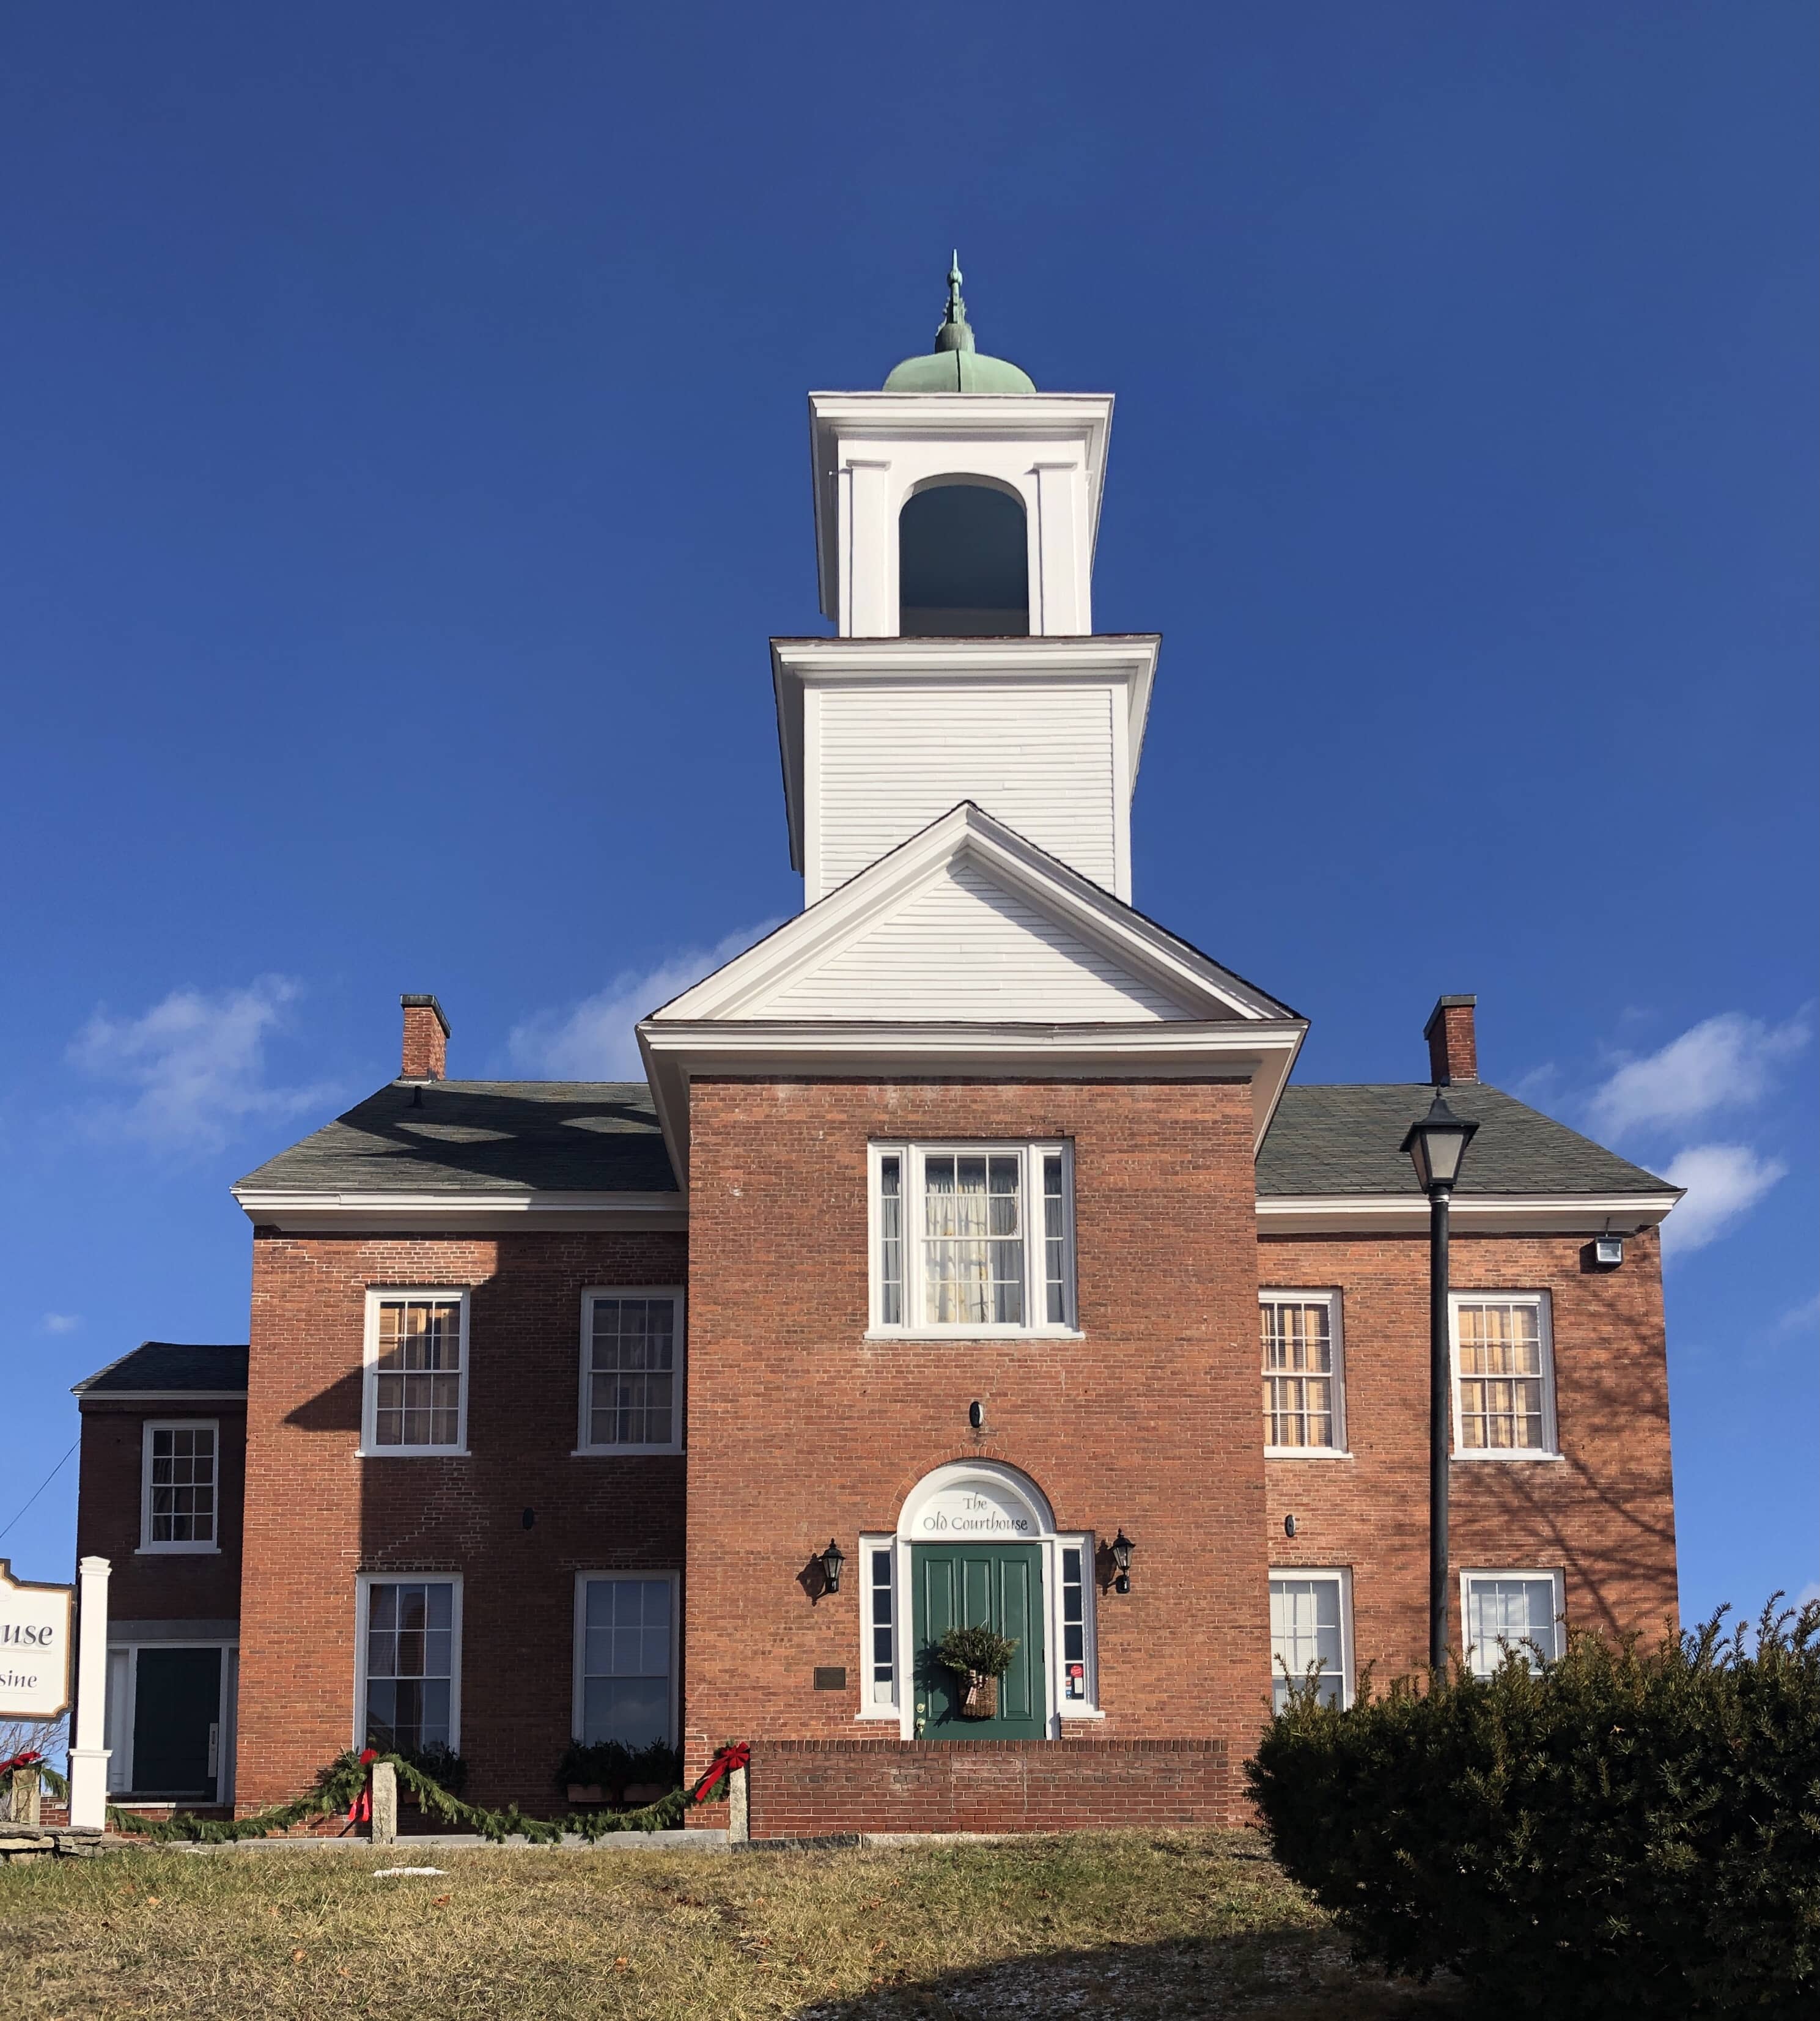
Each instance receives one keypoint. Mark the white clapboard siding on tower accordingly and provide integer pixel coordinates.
(889, 760)
(965, 948)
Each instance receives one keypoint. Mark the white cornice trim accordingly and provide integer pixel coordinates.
(815, 937)
(293, 1211)
(1474, 1213)
(1254, 1050)
(158, 1396)
(800, 663)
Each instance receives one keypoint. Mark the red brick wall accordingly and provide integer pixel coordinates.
(1603, 1512)
(156, 1585)
(814, 1788)
(799, 1429)
(317, 1514)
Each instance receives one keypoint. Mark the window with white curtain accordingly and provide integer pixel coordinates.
(973, 1239)
(415, 1397)
(1515, 1610)
(1302, 1375)
(1311, 1633)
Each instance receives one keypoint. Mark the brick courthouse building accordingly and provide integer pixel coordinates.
(971, 1221)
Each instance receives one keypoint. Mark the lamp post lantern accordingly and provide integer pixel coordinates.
(1435, 1146)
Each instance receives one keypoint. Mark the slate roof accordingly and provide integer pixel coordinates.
(483, 1136)
(172, 1365)
(1347, 1140)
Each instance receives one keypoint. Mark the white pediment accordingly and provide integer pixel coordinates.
(967, 922)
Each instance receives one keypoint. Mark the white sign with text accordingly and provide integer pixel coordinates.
(979, 1512)
(37, 1649)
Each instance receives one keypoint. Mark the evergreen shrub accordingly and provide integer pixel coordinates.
(1624, 1831)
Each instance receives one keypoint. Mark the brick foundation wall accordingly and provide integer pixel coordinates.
(158, 1585)
(814, 1789)
(800, 1429)
(317, 1514)
(1603, 1513)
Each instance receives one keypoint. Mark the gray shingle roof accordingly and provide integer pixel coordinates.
(1347, 1139)
(483, 1136)
(171, 1365)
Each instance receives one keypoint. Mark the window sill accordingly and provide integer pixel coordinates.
(413, 1452)
(177, 1551)
(1504, 1459)
(1307, 1452)
(883, 1715)
(1081, 1712)
(626, 1452)
(965, 1334)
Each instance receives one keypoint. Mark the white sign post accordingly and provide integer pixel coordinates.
(88, 1758)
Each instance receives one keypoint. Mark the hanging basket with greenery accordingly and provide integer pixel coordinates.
(979, 1656)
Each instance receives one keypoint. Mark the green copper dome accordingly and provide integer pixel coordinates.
(954, 366)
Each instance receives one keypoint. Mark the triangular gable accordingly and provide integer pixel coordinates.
(965, 922)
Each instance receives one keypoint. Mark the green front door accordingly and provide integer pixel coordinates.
(176, 1730)
(1000, 1585)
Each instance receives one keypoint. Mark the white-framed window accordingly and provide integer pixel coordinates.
(1305, 1408)
(879, 1628)
(1074, 1592)
(626, 1638)
(416, 1389)
(407, 1686)
(973, 1239)
(1311, 1628)
(1523, 1610)
(180, 1485)
(1503, 1402)
(631, 1370)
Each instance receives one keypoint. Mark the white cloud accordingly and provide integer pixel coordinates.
(60, 1322)
(596, 1041)
(1723, 1182)
(1804, 1318)
(198, 1062)
(1726, 1061)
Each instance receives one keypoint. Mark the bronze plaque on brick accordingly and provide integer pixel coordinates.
(830, 1681)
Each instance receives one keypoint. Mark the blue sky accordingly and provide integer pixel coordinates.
(405, 465)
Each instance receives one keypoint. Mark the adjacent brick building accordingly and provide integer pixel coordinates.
(967, 1256)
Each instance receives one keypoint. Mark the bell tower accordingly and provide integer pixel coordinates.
(955, 515)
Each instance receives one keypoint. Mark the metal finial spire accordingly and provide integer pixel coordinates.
(954, 334)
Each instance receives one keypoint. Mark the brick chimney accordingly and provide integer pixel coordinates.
(426, 1051)
(1453, 1046)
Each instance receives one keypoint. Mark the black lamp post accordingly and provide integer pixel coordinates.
(1435, 1146)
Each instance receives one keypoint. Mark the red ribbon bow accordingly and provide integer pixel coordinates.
(735, 1755)
(29, 1758)
(360, 1811)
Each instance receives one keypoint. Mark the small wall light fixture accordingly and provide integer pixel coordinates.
(833, 1559)
(1289, 1526)
(1608, 1251)
(528, 1519)
(1122, 1548)
(976, 1414)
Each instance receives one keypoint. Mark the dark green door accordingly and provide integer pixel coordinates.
(175, 1707)
(1000, 1585)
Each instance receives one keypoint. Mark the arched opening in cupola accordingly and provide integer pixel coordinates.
(963, 570)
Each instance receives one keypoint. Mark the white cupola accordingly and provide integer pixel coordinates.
(955, 514)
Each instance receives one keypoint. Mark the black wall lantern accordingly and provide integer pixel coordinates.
(833, 1559)
(1122, 1560)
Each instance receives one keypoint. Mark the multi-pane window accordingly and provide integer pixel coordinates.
(881, 1627)
(179, 1506)
(411, 1638)
(973, 1239)
(1301, 1371)
(1502, 1374)
(1309, 1634)
(627, 1634)
(416, 1371)
(1519, 1611)
(1074, 1626)
(631, 1366)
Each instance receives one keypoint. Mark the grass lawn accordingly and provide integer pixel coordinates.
(1126, 1924)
